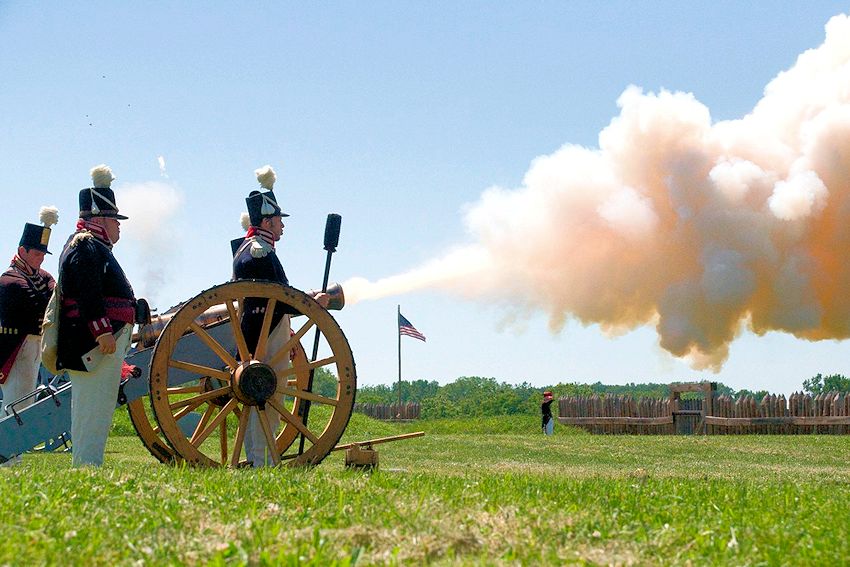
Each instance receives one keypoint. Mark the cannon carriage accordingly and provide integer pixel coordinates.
(198, 384)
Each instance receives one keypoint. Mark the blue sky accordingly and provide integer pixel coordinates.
(396, 115)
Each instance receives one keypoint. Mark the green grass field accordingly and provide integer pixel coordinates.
(482, 492)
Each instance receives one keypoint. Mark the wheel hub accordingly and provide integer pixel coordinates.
(254, 383)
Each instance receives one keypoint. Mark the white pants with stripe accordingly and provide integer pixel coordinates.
(23, 379)
(23, 376)
(93, 399)
(256, 447)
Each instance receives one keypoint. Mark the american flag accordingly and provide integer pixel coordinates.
(405, 327)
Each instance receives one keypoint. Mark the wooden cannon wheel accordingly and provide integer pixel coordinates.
(225, 394)
(144, 422)
(148, 432)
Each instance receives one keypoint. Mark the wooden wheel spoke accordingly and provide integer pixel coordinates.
(289, 371)
(290, 344)
(223, 442)
(200, 369)
(241, 345)
(213, 344)
(305, 395)
(240, 435)
(184, 412)
(260, 351)
(295, 421)
(203, 422)
(267, 432)
(201, 398)
(322, 362)
(228, 407)
(185, 390)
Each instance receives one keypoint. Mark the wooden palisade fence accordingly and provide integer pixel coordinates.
(404, 412)
(715, 415)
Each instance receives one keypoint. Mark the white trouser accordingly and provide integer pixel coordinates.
(256, 446)
(93, 399)
(23, 378)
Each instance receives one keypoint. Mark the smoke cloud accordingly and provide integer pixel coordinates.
(151, 207)
(698, 228)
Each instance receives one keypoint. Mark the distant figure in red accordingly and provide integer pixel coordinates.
(546, 411)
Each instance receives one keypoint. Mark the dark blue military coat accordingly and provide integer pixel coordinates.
(23, 299)
(261, 264)
(96, 298)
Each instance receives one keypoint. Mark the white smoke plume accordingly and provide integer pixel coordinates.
(151, 207)
(161, 161)
(699, 228)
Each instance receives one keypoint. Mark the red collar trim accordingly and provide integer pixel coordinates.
(98, 231)
(267, 236)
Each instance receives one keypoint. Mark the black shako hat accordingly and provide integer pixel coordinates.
(37, 236)
(263, 204)
(99, 200)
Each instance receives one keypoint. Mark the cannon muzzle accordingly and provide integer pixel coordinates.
(337, 299)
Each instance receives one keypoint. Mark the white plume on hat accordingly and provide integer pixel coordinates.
(101, 176)
(245, 219)
(48, 216)
(266, 176)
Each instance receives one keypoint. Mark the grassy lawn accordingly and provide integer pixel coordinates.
(491, 491)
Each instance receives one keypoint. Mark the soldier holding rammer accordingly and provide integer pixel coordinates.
(256, 258)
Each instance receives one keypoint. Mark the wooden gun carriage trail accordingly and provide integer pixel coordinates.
(198, 384)
(707, 413)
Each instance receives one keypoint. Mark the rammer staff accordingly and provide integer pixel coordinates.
(332, 227)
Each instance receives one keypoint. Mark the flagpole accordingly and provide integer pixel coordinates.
(399, 357)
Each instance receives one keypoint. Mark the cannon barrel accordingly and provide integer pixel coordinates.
(147, 335)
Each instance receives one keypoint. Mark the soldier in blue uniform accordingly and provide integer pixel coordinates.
(96, 318)
(24, 292)
(256, 258)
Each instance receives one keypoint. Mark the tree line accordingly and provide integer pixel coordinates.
(470, 396)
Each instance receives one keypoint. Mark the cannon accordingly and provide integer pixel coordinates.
(198, 384)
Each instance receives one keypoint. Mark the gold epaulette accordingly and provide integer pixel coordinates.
(260, 248)
(79, 237)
